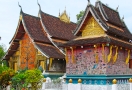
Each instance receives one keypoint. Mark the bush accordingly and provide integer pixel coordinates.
(19, 78)
(5, 75)
(34, 78)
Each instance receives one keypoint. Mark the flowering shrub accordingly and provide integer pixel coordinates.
(5, 75)
(34, 77)
(19, 79)
(28, 78)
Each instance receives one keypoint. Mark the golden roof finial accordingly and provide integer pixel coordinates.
(65, 9)
(69, 15)
(64, 17)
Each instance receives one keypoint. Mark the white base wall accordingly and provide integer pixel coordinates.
(97, 87)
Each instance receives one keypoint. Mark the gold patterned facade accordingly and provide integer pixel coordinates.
(92, 28)
(14, 60)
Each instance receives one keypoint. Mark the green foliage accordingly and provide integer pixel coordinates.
(79, 16)
(3, 68)
(2, 51)
(18, 78)
(6, 75)
(34, 77)
(23, 78)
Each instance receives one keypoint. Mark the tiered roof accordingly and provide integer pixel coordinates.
(57, 28)
(40, 30)
(109, 20)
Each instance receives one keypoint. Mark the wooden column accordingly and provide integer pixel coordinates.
(130, 63)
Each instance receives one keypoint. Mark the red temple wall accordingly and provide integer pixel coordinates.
(85, 62)
(27, 53)
(119, 67)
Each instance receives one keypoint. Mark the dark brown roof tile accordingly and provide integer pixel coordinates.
(58, 28)
(113, 16)
(50, 50)
(88, 41)
(34, 28)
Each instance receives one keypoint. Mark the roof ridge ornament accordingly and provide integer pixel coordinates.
(39, 5)
(20, 6)
(89, 2)
(20, 17)
(65, 9)
(59, 12)
(64, 17)
(117, 8)
(123, 18)
(69, 15)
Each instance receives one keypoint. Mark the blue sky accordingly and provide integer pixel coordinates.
(9, 12)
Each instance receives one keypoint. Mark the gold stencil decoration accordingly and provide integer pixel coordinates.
(115, 56)
(110, 54)
(51, 59)
(128, 57)
(73, 58)
(15, 66)
(92, 28)
(96, 54)
(103, 51)
(66, 56)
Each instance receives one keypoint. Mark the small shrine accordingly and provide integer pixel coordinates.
(102, 50)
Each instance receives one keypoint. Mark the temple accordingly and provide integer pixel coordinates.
(35, 42)
(101, 50)
(97, 50)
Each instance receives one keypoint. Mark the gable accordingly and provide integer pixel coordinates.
(92, 28)
(64, 17)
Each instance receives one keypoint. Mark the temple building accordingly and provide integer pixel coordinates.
(101, 50)
(35, 42)
(97, 50)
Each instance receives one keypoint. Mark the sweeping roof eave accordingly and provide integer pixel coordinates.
(99, 40)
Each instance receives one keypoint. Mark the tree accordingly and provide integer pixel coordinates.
(2, 51)
(79, 16)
